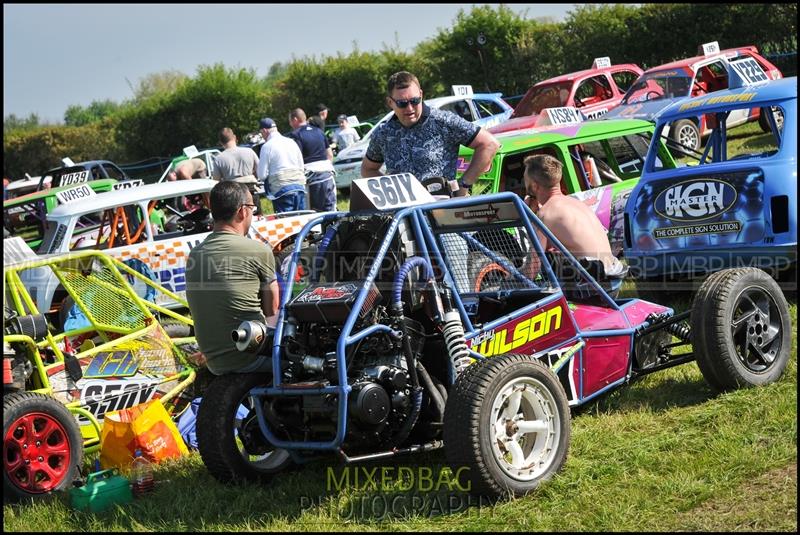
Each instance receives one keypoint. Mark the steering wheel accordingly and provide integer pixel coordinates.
(655, 94)
(196, 215)
(436, 185)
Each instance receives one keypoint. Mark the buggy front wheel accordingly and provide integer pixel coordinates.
(507, 426)
(42, 446)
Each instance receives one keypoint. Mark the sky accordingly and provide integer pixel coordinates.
(58, 55)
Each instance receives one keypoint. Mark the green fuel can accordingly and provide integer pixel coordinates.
(102, 490)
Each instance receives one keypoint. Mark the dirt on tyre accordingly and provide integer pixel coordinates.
(229, 439)
(506, 427)
(741, 329)
(42, 446)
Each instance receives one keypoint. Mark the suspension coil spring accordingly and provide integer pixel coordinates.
(455, 342)
(680, 330)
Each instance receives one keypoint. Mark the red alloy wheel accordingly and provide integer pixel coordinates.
(36, 453)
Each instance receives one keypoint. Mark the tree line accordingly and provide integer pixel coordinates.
(490, 47)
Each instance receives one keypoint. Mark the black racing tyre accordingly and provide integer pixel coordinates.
(175, 328)
(486, 275)
(228, 436)
(506, 426)
(686, 134)
(741, 329)
(42, 446)
(699, 345)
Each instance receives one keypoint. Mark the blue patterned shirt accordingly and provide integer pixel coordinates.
(427, 149)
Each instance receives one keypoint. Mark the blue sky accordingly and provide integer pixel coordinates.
(57, 55)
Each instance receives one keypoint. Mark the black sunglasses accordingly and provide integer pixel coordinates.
(249, 205)
(405, 102)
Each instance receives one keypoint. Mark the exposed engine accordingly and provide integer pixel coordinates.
(389, 384)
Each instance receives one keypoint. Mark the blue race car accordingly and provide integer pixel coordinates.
(732, 205)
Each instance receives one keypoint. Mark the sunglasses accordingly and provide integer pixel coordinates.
(405, 102)
(253, 206)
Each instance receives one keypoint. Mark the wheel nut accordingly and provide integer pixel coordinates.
(40, 458)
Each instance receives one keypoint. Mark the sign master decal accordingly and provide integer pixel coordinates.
(706, 210)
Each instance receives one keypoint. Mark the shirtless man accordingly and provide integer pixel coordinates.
(574, 224)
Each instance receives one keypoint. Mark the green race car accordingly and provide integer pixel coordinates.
(602, 162)
(26, 216)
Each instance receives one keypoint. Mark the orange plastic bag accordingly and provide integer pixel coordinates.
(146, 427)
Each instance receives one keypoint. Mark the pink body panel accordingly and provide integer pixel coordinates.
(605, 360)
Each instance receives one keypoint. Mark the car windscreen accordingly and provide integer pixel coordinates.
(729, 142)
(541, 97)
(658, 85)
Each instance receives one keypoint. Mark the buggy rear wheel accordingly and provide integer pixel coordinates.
(741, 329)
(42, 445)
(228, 435)
(507, 422)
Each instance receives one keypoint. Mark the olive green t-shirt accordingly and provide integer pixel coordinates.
(224, 278)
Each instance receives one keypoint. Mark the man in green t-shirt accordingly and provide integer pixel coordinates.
(229, 279)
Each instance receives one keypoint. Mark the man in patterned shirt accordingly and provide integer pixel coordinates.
(424, 141)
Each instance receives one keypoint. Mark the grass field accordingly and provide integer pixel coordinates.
(663, 454)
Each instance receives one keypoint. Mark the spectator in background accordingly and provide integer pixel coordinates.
(318, 162)
(188, 169)
(319, 119)
(345, 135)
(235, 163)
(280, 166)
(573, 223)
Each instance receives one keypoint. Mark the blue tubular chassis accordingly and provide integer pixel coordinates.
(420, 220)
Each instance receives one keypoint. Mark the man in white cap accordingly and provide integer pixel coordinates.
(280, 165)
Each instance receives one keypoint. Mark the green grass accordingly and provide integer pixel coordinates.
(662, 454)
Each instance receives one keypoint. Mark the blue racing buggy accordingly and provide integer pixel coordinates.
(424, 324)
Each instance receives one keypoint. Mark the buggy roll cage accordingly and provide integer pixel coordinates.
(429, 249)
